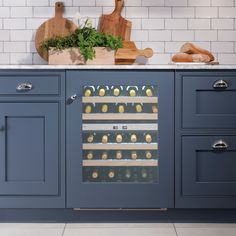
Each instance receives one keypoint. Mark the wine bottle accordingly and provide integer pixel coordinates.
(133, 138)
(88, 91)
(138, 108)
(154, 109)
(134, 155)
(111, 174)
(148, 91)
(105, 139)
(121, 108)
(119, 155)
(90, 138)
(144, 173)
(102, 90)
(104, 156)
(132, 91)
(148, 155)
(116, 91)
(148, 138)
(128, 174)
(104, 108)
(90, 156)
(95, 174)
(119, 138)
(88, 108)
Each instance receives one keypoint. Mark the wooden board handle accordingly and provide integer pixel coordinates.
(118, 7)
(147, 52)
(58, 9)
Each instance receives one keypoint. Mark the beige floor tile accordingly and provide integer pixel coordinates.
(119, 225)
(120, 230)
(216, 231)
(31, 229)
(205, 225)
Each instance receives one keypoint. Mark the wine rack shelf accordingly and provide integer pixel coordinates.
(119, 99)
(120, 163)
(114, 116)
(114, 146)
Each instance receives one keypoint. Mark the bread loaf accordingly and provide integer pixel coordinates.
(190, 48)
(184, 57)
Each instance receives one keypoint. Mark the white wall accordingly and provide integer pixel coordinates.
(163, 25)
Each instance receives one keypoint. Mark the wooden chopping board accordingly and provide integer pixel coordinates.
(115, 24)
(56, 26)
(129, 53)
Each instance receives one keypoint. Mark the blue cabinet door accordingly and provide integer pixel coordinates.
(109, 164)
(29, 155)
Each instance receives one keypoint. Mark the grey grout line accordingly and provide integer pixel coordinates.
(175, 230)
(64, 230)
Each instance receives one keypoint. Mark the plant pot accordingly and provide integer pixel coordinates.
(72, 56)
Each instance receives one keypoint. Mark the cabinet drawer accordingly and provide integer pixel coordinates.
(29, 83)
(207, 171)
(208, 101)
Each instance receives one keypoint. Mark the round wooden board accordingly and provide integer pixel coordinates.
(56, 26)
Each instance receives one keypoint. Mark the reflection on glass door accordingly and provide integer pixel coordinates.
(120, 134)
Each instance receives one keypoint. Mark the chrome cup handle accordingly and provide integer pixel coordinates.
(220, 84)
(24, 87)
(220, 145)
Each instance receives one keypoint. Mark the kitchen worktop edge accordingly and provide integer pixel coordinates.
(121, 67)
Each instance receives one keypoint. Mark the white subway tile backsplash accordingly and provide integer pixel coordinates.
(197, 3)
(153, 3)
(163, 25)
(4, 58)
(4, 12)
(21, 35)
(14, 23)
(137, 12)
(227, 35)
(174, 3)
(4, 35)
(222, 3)
(153, 24)
(21, 58)
(222, 47)
(199, 24)
(14, 47)
(206, 12)
(159, 35)
(14, 3)
(183, 12)
(227, 12)
(222, 23)
(176, 24)
(160, 12)
(183, 35)
(206, 35)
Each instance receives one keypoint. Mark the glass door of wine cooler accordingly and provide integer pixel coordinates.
(120, 139)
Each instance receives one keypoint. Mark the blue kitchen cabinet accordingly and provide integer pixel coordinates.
(120, 139)
(31, 145)
(205, 139)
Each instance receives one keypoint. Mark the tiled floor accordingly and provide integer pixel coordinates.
(159, 229)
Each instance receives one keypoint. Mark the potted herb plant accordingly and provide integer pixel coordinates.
(84, 46)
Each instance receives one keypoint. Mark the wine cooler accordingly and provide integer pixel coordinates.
(119, 140)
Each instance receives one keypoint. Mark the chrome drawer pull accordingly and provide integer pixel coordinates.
(71, 99)
(220, 84)
(220, 145)
(24, 87)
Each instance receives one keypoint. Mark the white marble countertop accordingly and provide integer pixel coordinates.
(123, 67)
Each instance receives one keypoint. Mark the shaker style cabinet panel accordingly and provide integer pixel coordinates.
(120, 139)
(31, 143)
(208, 100)
(205, 141)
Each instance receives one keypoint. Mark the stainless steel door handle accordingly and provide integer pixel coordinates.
(71, 99)
(220, 145)
(24, 87)
(220, 84)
